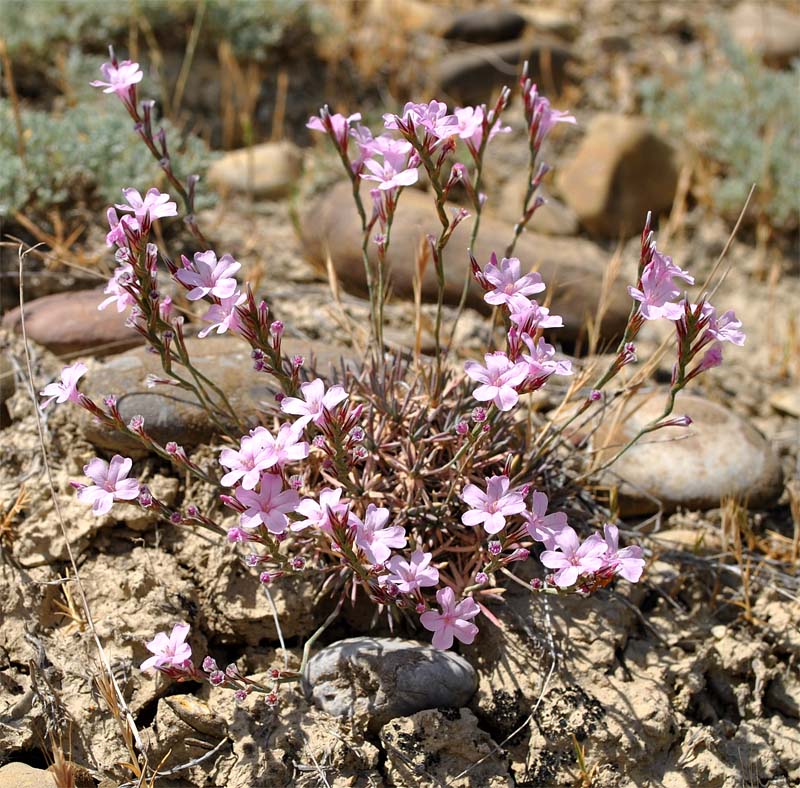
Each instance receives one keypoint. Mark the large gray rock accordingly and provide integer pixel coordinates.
(70, 322)
(719, 454)
(572, 267)
(174, 414)
(375, 680)
(266, 171)
(622, 170)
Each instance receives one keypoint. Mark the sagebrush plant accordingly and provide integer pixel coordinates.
(75, 160)
(35, 32)
(742, 121)
(412, 483)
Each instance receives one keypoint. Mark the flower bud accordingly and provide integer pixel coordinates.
(210, 665)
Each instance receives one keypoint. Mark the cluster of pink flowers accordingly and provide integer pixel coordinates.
(584, 565)
(512, 372)
(697, 325)
(318, 432)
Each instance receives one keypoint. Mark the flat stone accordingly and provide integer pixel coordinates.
(20, 775)
(266, 171)
(621, 170)
(719, 455)
(572, 267)
(486, 26)
(174, 414)
(768, 30)
(377, 679)
(70, 323)
(476, 74)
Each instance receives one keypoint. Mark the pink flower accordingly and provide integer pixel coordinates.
(115, 291)
(170, 651)
(109, 485)
(269, 505)
(493, 506)
(508, 281)
(119, 78)
(319, 514)
(285, 447)
(499, 377)
(527, 315)
(374, 538)
(452, 621)
(154, 205)
(725, 328)
(541, 526)
(67, 389)
(711, 358)
(224, 315)
(393, 173)
(246, 463)
(571, 559)
(628, 562)
(542, 116)
(116, 233)
(542, 362)
(658, 289)
(466, 123)
(431, 116)
(207, 276)
(408, 576)
(316, 402)
(339, 125)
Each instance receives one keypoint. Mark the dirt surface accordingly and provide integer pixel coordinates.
(688, 679)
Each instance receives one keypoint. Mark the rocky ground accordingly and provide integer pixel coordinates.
(688, 679)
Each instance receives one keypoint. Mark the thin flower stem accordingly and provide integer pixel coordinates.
(313, 639)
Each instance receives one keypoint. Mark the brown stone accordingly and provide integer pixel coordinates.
(70, 323)
(20, 775)
(552, 218)
(174, 414)
(572, 267)
(622, 170)
(719, 454)
(266, 171)
(768, 30)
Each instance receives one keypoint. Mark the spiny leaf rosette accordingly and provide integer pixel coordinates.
(417, 485)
